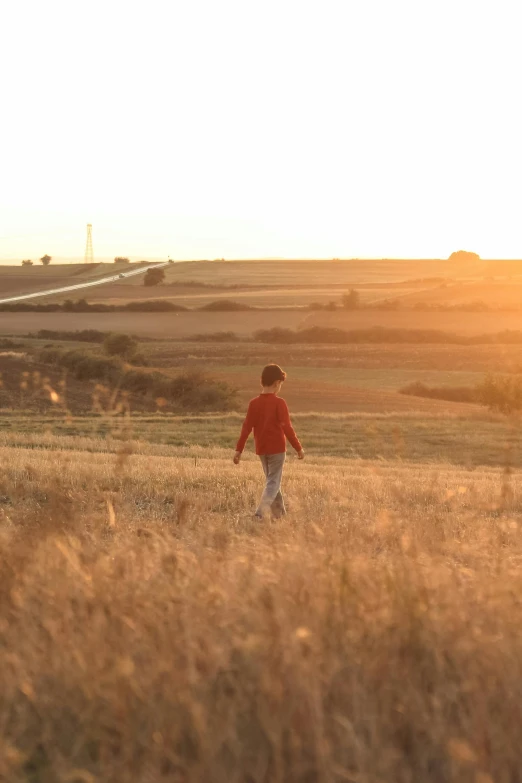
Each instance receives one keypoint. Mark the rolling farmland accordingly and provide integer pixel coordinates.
(369, 635)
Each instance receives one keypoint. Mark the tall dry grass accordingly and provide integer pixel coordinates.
(150, 630)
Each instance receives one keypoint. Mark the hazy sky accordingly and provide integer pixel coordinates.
(246, 129)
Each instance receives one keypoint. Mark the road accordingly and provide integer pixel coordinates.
(79, 286)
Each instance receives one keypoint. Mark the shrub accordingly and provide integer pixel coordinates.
(351, 300)
(464, 255)
(84, 365)
(121, 260)
(27, 262)
(82, 306)
(138, 360)
(153, 276)
(501, 393)
(153, 306)
(191, 391)
(450, 393)
(120, 345)
(275, 335)
(385, 304)
(7, 343)
(213, 337)
(225, 305)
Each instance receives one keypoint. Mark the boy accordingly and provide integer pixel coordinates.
(269, 418)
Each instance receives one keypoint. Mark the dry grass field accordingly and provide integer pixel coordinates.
(468, 438)
(150, 630)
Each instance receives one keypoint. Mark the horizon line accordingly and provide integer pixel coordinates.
(69, 260)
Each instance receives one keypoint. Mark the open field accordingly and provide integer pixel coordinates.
(26, 382)
(409, 357)
(305, 272)
(159, 325)
(494, 294)
(149, 630)
(25, 279)
(457, 322)
(470, 438)
(194, 297)
(308, 390)
(184, 324)
(376, 379)
(286, 283)
(14, 280)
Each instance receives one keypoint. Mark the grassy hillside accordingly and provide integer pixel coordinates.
(465, 438)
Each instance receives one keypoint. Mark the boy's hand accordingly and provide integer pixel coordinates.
(237, 457)
(300, 454)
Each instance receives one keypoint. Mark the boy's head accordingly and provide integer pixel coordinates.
(272, 374)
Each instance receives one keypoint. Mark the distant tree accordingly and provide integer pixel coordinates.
(351, 300)
(153, 276)
(46, 260)
(27, 262)
(464, 255)
(501, 393)
(80, 306)
(120, 345)
(121, 260)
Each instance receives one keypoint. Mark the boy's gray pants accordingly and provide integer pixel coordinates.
(272, 499)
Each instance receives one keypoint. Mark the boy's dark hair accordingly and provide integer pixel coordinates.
(272, 373)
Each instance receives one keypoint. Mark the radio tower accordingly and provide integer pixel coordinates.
(89, 257)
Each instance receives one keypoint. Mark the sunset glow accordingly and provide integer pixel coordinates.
(241, 130)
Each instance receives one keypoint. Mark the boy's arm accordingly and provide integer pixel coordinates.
(246, 429)
(287, 427)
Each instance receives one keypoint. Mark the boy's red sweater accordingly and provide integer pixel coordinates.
(268, 416)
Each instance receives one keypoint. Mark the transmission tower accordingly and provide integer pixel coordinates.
(89, 257)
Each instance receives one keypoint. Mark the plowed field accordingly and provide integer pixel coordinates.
(491, 293)
(25, 280)
(161, 325)
(461, 323)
